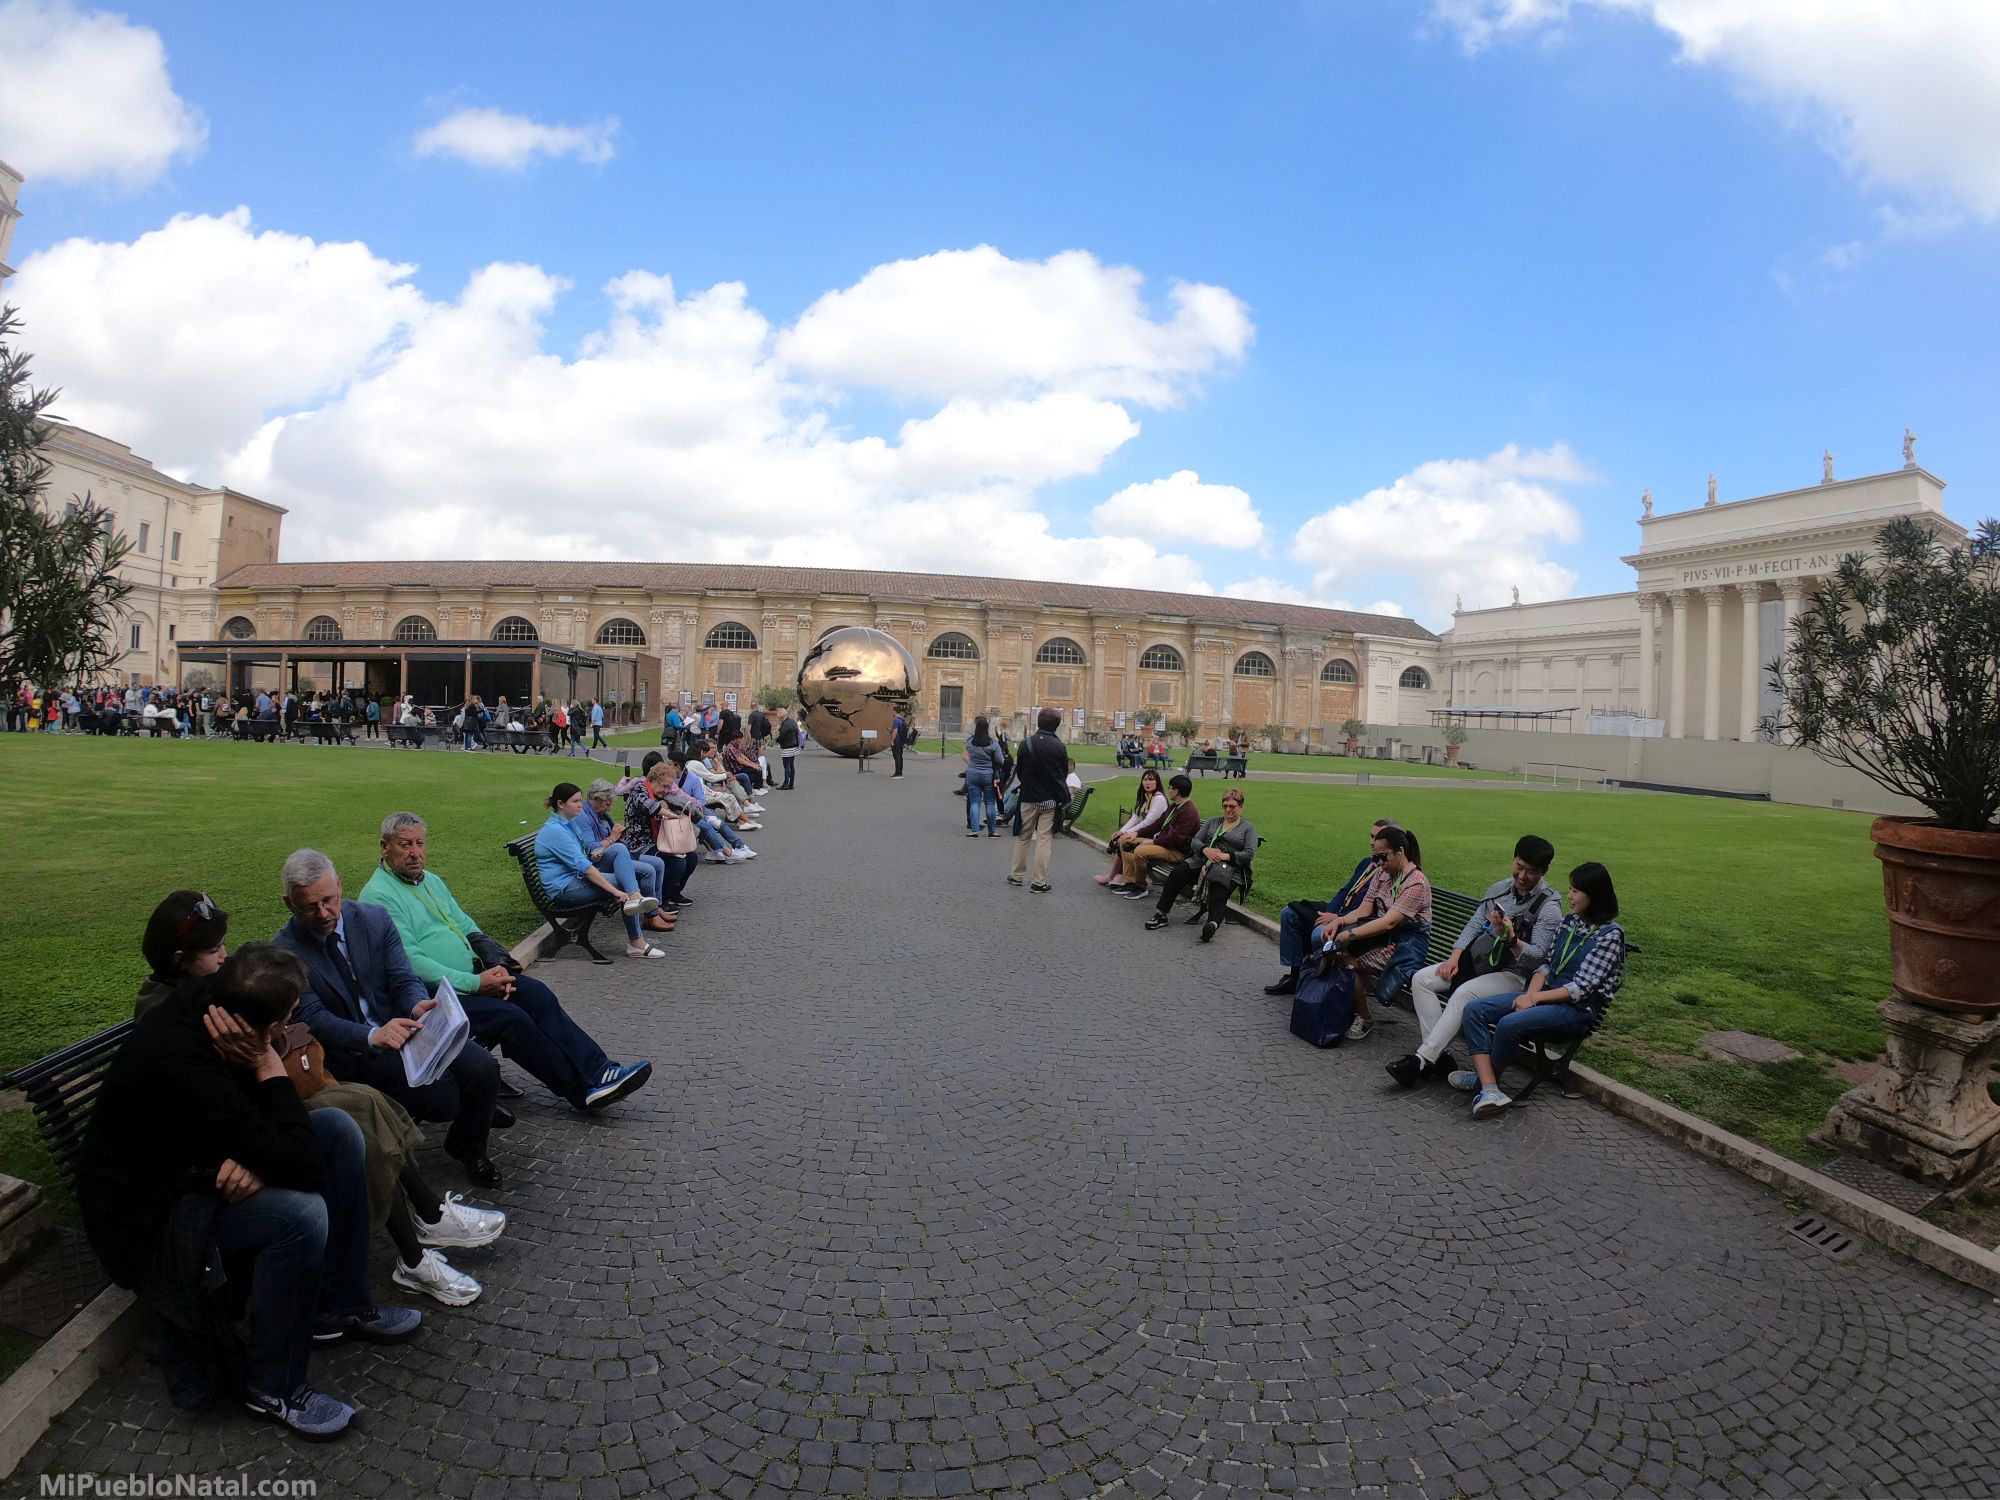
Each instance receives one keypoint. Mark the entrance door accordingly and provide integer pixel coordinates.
(951, 709)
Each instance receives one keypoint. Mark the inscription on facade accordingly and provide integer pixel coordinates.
(1777, 567)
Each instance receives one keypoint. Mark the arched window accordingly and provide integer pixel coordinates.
(1414, 677)
(1161, 659)
(1059, 652)
(321, 628)
(1337, 671)
(415, 628)
(1255, 664)
(516, 628)
(238, 628)
(952, 646)
(730, 636)
(620, 633)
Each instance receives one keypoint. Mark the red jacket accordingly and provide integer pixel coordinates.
(1180, 828)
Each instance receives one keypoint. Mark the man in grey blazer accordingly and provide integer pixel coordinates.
(363, 1001)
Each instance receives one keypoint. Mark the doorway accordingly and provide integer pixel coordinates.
(951, 709)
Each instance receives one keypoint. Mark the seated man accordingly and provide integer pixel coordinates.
(1304, 925)
(363, 1001)
(509, 1010)
(1504, 942)
(200, 1166)
(1169, 843)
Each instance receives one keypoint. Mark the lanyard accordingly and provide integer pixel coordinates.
(1575, 937)
(438, 912)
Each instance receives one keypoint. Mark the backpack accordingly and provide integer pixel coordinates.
(1323, 1005)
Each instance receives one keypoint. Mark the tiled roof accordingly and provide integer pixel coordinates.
(694, 578)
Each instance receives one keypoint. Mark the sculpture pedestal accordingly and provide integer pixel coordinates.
(1929, 1114)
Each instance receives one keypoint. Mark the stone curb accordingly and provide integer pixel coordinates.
(90, 1343)
(1881, 1222)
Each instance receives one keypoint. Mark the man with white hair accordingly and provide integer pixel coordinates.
(363, 1002)
(510, 1011)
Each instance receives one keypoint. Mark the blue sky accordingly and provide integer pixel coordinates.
(1636, 249)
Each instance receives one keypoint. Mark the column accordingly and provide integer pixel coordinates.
(1711, 685)
(1746, 713)
(1226, 653)
(1677, 681)
(1094, 711)
(1793, 591)
(1647, 649)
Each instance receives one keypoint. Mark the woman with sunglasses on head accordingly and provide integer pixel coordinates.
(186, 939)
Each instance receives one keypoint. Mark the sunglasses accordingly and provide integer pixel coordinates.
(203, 910)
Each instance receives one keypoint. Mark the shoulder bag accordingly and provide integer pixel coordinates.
(305, 1060)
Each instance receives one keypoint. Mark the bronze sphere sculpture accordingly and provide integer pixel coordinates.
(857, 678)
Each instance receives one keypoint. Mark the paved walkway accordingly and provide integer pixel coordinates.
(946, 1188)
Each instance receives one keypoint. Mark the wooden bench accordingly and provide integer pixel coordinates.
(570, 924)
(408, 734)
(62, 1090)
(1066, 816)
(327, 731)
(260, 729)
(1202, 763)
(520, 741)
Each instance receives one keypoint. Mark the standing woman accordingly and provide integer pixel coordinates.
(982, 773)
(1148, 813)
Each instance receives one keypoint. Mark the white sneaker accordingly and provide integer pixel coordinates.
(435, 1278)
(644, 950)
(460, 1225)
(642, 906)
(750, 825)
(715, 857)
(746, 852)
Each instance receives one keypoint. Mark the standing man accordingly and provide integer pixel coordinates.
(788, 748)
(1041, 765)
(897, 730)
(596, 723)
(759, 727)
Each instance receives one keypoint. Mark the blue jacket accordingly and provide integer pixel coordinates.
(375, 953)
(560, 857)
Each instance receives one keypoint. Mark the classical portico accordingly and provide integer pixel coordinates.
(1720, 585)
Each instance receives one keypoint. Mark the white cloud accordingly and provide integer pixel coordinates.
(85, 95)
(396, 425)
(1471, 526)
(1907, 95)
(493, 138)
(1277, 591)
(1183, 508)
(976, 323)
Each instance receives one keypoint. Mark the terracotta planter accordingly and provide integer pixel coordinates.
(1352, 744)
(1451, 754)
(1942, 887)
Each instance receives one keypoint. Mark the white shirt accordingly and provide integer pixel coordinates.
(1139, 820)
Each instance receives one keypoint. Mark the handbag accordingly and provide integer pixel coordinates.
(490, 953)
(673, 833)
(304, 1059)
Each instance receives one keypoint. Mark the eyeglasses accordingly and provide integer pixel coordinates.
(203, 910)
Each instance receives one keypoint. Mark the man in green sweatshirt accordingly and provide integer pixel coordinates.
(509, 1010)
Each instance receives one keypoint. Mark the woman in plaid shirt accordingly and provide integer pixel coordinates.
(1565, 998)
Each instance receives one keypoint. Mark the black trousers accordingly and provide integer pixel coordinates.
(465, 1095)
(1184, 875)
(896, 754)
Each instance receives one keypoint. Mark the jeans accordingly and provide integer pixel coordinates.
(979, 794)
(1038, 823)
(533, 1029)
(581, 892)
(1440, 1017)
(1295, 930)
(1494, 1028)
(712, 825)
(307, 1252)
(790, 757)
(645, 870)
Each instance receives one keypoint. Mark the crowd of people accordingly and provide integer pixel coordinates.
(261, 1121)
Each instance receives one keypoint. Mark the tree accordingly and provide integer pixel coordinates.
(60, 593)
(770, 697)
(1891, 671)
(1185, 728)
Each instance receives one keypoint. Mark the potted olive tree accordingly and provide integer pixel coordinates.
(1185, 728)
(1891, 671)
(1352, 731)
(1454, 736)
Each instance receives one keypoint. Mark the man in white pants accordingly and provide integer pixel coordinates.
(1517, 920)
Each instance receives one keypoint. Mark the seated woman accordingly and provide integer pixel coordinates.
(1390, 929)
(563, 861)
(1219, 854)
(611, 853)
(739, 761)
(650, 798)
(187, 938)
(1148, 813)
(725, 846)
(1565, 998)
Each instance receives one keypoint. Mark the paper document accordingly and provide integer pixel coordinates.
(438, 1041)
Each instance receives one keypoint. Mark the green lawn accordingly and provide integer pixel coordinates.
(98, 830)
(1339, 765)
(1753, 917)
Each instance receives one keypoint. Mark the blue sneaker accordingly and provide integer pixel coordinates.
(1466, 1079)
(377, 1325)
(619, 1080)
(313, 1415)
(1489, 1102)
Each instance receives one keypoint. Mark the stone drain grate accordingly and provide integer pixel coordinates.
(1829, 1239)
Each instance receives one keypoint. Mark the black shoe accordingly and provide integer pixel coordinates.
(1287, 985)
(1208, 929)
(1407, 1070)
(1040, 890)
(508, 1090)
(1156, 921)
(1013, 880)
(503, 1117)
(1445, 1066)
(993, 833)
(479, 1169)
